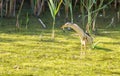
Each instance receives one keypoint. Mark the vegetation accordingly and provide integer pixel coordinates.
(54, 10)
(28, 53)
(31, 52)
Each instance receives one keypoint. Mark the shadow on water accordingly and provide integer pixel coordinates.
(103, 48)
(117, 73)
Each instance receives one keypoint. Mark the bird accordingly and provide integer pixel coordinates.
(85, 38)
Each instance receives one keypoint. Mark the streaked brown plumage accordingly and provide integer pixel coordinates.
(85, 38)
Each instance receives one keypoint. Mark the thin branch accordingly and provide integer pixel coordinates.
(102, 7)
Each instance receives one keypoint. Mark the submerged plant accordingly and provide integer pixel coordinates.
(94, 45)
(27, 20)
(54, 8)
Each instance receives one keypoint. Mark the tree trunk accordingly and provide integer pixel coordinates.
(66, 9)
(95, 16)
(36, 7)
(6, 12)
(41, 4)
(66, 12)
(82, 10)
(1, 8)
(17, 20)
(32, 4)
(89, 23)
(75, 3)
(115, 4)
(118, 13)
(14, 6)
(104, 13)
(10, 7)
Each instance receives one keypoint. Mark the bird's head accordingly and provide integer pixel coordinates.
(68, 24)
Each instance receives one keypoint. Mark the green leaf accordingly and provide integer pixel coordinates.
(52, 4)
(70, 4)
(94, 1)
(51, 10)
(58, 7)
